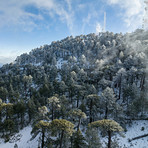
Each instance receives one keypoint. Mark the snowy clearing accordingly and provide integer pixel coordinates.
(24, 136)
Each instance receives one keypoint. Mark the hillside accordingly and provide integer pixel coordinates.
(81, 79)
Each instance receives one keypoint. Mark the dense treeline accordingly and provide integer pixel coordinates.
(100, 80)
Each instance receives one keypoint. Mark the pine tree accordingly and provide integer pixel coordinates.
(108, 126)
(61, 128)
(3, 93)
(31, 109)
(8, 125)
(93, 102)
(77, 115)
(54, 104)
(40, 127)
(108, 101)
(42, 113)
(20, 108)
(78, 140)
(92, 138)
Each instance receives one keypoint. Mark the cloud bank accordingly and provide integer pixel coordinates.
(132, 12)
(13, 12)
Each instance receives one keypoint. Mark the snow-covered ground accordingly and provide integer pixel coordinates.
(133, 131)
(22, 139)
(60, 62)
(24, 136)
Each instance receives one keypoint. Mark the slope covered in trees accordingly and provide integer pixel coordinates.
(81, 80)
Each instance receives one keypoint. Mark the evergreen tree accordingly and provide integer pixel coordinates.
(93, 103)
(40, 127)
(54, 104)
(61, 128)
(108, 101)
(42, 113)
(20, 108)
(92, 138)
(3, 93)
(108, 126)
(31, 109)
(8, 125)
(78, 140)
(77, 116)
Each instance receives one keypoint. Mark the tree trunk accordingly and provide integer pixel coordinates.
(70, 96)
(120, 87)
(52, 112)
(61, 140)
(106, 112)
(77, 102)
(90, 111)
(25, 89)
(138, 137)
(142, 82)
(43, 136)
(71, 140)
(22, 120)
(30, 117)
(109, 139)
(79, 124)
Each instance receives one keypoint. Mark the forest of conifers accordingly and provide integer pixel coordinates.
(76, 89)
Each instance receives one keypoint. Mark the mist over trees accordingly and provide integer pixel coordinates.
(61, 88)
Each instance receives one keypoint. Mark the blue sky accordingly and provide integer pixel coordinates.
(27, 24)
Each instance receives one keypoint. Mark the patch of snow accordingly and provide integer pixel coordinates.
(38, 64)
(134, 130)
(22, 139)
(60, 62)
(59, 78)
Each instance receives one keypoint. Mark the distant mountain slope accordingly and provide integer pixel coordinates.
(88, 45)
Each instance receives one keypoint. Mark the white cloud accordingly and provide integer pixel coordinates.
(69, 4)
(91, 16)
(4, 60)
(7, 56)
(98, 28)
(133, 12)
(12, 12)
